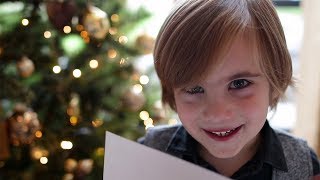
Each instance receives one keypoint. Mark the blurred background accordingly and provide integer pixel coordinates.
(72, 69)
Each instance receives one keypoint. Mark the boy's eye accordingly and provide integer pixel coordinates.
(239, 84)
(195, 90)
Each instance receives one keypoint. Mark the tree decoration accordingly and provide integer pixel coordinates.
(25, 67)
(23, 124)
(61, 12)
(96, 22)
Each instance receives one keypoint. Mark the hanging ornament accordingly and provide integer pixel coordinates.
(61, 12)
(133, 101)
(96, 22)
(23, 124)
(145, 44)
(25, 67)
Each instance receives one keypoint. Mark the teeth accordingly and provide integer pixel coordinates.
(222, 134)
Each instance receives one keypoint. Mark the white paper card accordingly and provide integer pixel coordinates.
(128, 160)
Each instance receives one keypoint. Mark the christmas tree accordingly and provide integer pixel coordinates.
(67, 75)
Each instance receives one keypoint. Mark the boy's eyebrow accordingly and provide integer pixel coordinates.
(243, 74)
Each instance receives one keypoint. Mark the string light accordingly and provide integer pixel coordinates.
(93, 64)
(123, 39)
(115, 18)
(123, 62)
(113, 31)
(38, 134)
(73, 120)
(66, 145)
(25, 22)
(137, 88)
(148, 122)
(84, 34)
(47, 34)
(112, 53)
(76, 73)
(67, 29)
(79, 27)
(56, 69)
(144, 79)
(144, 115)
(43, 160)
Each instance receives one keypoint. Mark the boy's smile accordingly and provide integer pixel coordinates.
(226, 110)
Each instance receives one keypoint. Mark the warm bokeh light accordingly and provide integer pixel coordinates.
(66, 145)
(123, 39)
(148, 122)
(144, 115)
(112, 53)
(113, 30)
(25, 22)
(93, 64)
(84, 34)
(73, 120)
(144, 79)
(43, 160)
(47, 34)
(76, 73)
(115, 18)
(38, 134)
(56, 69)
(67, 29)
(137, 88)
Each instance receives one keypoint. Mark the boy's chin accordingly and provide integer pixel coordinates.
(222, 153)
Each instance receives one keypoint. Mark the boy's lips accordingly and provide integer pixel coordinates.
(222, 134)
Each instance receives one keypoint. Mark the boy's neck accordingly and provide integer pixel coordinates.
(229, 166)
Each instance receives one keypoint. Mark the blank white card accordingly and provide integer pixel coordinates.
(125, 159)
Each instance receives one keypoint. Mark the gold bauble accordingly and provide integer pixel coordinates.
(25, 67)
(23, 124)
(96, 22)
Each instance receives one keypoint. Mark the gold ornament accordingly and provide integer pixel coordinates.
(25, 67)
(145, 43)
(96, 23)
(23, 124)
(133, 101)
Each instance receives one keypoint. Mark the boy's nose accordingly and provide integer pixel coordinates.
(218, 110)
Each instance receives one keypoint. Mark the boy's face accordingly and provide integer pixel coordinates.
(226, 110)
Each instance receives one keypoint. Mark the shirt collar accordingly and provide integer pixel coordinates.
(270, 151)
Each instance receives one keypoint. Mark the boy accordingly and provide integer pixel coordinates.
(222, 64)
